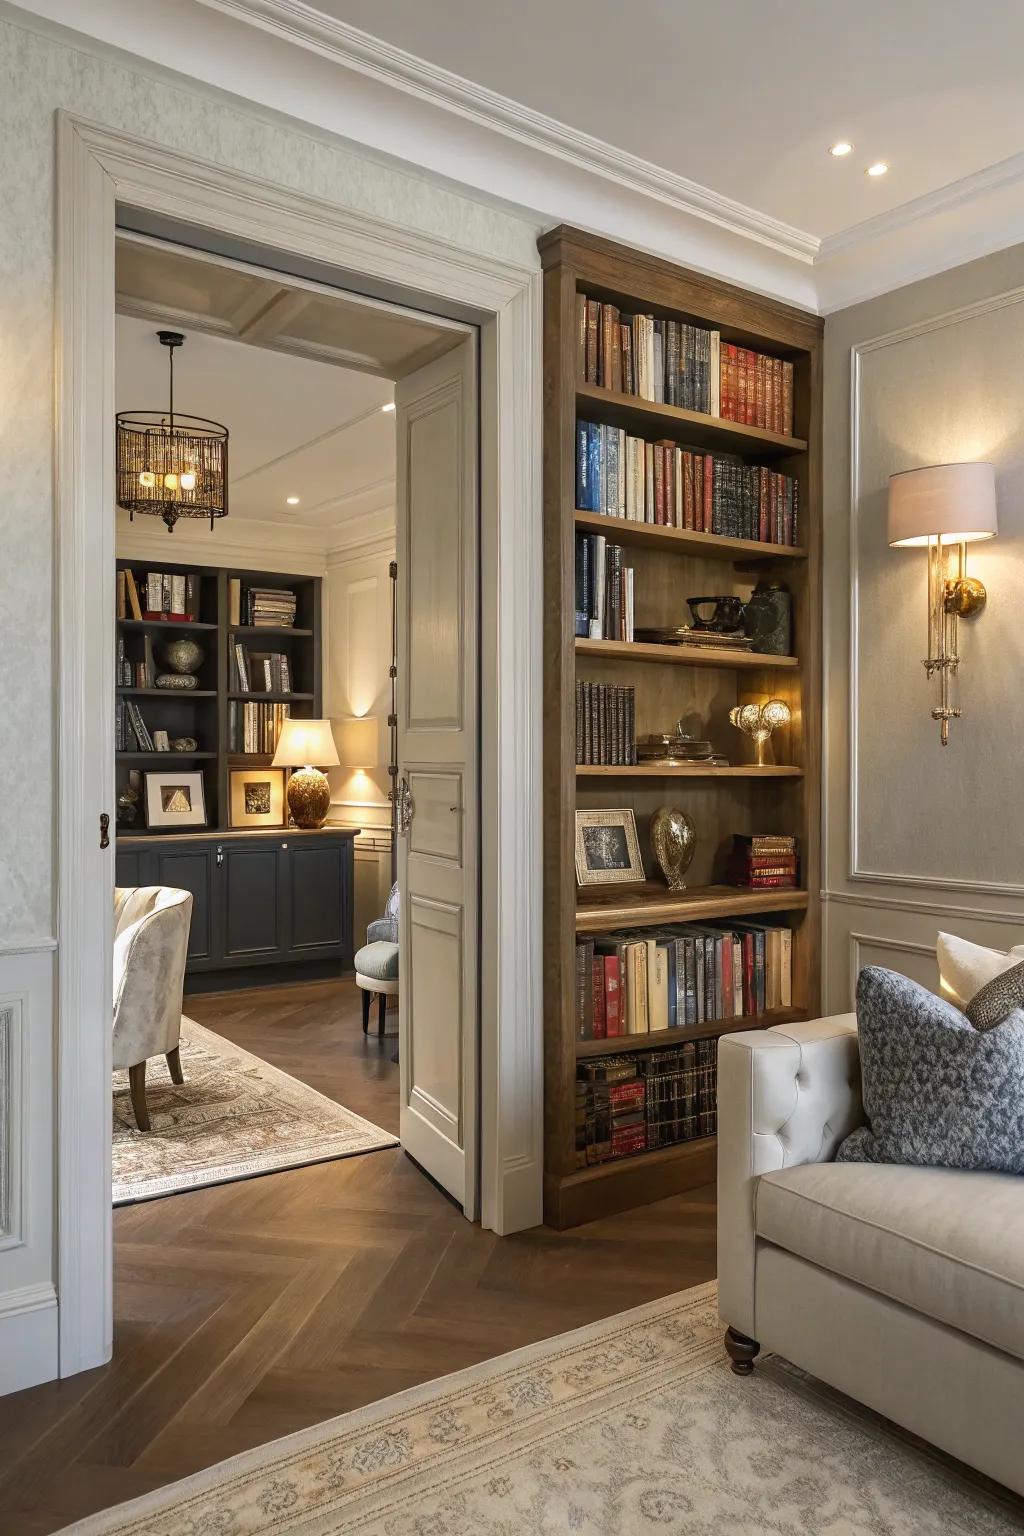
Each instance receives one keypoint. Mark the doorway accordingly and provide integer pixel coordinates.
(96, 169)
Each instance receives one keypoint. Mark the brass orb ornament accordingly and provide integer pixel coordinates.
(758, 721)
(674, 841)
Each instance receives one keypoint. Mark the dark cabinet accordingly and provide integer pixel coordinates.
(257, 898)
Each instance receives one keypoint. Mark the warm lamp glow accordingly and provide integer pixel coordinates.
(359, 741)
(758, 721)
(306, 744)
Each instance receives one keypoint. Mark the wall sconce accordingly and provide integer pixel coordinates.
(935, 508)
(758, 721)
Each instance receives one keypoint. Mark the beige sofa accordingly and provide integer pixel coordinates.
(902, 1287)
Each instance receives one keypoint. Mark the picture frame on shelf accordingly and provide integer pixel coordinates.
(256, 797)
(174, 801)
(607, 848)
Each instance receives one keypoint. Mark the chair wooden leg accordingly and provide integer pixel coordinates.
(366, 1011)
(137, 1084)
(382, 1008)
(174, 1065)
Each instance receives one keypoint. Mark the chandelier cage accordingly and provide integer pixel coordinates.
(171, 464)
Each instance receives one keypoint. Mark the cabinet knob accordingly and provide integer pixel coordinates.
(284, 845)
(220, 855)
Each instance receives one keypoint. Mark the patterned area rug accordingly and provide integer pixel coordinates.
(234, 1116)
(631, 1427)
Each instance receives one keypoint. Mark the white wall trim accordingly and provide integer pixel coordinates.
(14, 1101)
(948, 912)
(97, 168)
(28, 1336)
(294, 22)
(40, 946)
(956, 316)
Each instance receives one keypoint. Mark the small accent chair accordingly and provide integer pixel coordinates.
(151, 924)
(377, 963)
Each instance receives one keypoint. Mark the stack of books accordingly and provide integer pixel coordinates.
(605, 724)
(680, 977)
(270, 607)
(628, 1104)
(690, 366)
(763, 862)
(681, 1093)
(661, 483)
(261, 671)
(158, 595)
(611, 1119)
(131, 734)
(255, 727)
(604, 590)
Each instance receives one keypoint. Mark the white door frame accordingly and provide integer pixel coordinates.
(98, 168)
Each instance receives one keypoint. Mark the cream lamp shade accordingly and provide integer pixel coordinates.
(306, 744)
(358, 740)
(954, 503)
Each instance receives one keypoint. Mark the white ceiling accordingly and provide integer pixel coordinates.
(745, 96)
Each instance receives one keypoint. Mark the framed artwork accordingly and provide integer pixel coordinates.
(256, 797)
(174, 801)
(607, 849)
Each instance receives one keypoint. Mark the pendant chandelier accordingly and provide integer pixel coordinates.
(169, 464)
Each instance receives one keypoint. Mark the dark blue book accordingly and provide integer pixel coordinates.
(586, 487)
(594, 466)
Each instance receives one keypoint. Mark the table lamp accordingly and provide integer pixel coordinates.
(307, 746)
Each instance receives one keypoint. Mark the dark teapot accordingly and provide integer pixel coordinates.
(723, 615)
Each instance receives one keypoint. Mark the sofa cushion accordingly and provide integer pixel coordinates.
(949, 1244)
(378, 962)
(964, 968)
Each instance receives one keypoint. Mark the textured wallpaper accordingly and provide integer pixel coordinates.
(37, 77)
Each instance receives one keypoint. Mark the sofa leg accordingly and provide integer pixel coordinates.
(137, 1084)
(382, 1010)
(174, 1066)
(366, 1011)
(741, 1351)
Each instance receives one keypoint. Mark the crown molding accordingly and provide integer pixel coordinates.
(295, 22)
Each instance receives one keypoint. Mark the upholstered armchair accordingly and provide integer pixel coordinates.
(377, 962)
(151, 926)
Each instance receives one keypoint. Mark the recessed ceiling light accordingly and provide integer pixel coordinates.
(878, 169)
(841, 149)
(292, 501)
(389, 407)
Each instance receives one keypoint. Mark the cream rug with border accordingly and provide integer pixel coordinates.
(235, 1116)
(631, 1427)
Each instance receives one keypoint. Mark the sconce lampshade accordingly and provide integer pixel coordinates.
(306, 743)
(955, 503)
(359, 743)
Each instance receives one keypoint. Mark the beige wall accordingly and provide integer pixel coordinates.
(920, 837)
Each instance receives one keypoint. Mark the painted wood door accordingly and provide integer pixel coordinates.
(438, 763)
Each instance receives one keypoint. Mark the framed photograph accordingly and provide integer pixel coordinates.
(174, 801)
(607, 850)
(256, 797)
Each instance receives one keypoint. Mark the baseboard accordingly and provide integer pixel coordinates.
(28, 1337)
(278, 973)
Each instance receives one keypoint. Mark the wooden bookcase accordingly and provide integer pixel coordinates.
(204, 712)
(671, 683)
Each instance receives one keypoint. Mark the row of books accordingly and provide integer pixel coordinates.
(261, 671)
(630, 1104)
(264, 607)
(139, 672)
(623, 476)
(158, 595)
(131, 733)
(674, 363)
(678, 977)
(605, 724)
(763, 863)
(604, 590)
(255, 727)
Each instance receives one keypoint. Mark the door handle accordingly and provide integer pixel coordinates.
(104, 830)
(404, 806)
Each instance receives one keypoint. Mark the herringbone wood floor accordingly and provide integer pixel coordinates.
(253, 1309)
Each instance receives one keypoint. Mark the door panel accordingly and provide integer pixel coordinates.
(315, 882)
(253, 917)
(191, 869)
(438, 860)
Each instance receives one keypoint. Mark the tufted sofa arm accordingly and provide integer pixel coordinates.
(786, 1095)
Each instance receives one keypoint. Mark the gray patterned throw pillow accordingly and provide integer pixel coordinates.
(937, 1092)
(997, 998)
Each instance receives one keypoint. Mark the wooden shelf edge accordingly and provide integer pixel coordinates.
(270, 698)
(705, 901)
(688, 771)
(684, 541)
(663, 1039)
(171, 693)
(183, 624)
(712, 428)
(679, 655)
(589, 1193)
(161, 757)
(272, 631)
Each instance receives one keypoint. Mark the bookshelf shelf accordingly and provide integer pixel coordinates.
(688, 771)
(694, 428)
(644, 906)
(668, 683)
(683, 541)
(213, 713)
(681, 655)
(586, 1050)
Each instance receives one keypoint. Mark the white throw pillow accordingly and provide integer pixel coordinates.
(964, 968)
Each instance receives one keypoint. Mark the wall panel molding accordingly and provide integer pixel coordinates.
(13, 1121)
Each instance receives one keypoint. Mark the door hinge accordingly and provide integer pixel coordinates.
(104, 830)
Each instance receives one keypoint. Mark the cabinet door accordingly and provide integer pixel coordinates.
(190, 867)
(128, 866)
(320, 898)
(253, 899)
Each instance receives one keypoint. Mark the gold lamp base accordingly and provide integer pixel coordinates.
(309, 797)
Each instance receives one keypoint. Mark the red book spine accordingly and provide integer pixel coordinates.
(659, 483)
(625, 1096)
(698, 490)
(740, 413)
(688, 506)
(749, 987)
(759, 391)
(730, 381)
(599, 999)
(751, 416)
(612, 997)
(776, 394)
(787, 399)
(709, 491)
